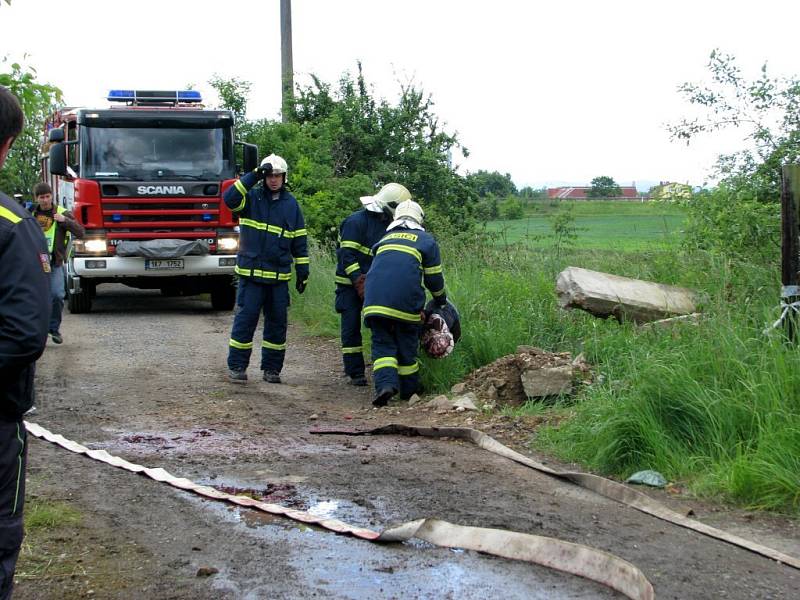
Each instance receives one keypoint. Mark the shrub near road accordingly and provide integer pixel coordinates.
(714, 406)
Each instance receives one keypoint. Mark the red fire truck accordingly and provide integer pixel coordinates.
(145, 177)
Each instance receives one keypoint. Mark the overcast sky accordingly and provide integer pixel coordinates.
(552, 93)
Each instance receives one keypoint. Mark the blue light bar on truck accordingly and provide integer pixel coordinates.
(145, 96)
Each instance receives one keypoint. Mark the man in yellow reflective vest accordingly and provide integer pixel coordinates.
(57, 224)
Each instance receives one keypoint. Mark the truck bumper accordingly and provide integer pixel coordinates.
(105, 267)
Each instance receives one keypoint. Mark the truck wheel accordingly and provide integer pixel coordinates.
(223, 297)
(80, 302)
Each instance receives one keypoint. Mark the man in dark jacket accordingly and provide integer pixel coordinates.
(357, 234)
(272, 236)
(394, 298)
(57, 224)
(24, 312)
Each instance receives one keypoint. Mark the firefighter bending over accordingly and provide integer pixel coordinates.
(405, 258)
(272, 234)
(357, 234)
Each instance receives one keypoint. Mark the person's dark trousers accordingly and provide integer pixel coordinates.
(13, 451)
(349, 305)
(394, 355)
(56, 297)
(253, 298)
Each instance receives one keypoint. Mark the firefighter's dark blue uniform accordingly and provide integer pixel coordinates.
(405, 259)
(24, 317)
(272, 236)
(357, 234)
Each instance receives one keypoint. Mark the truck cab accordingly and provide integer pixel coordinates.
(145, 178)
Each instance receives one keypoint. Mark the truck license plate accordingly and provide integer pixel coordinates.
(163, 264)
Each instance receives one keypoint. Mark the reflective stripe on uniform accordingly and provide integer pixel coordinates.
(20, 474)
(356, 246)
(271, 346)
(385, 311)
(351, 268)
(342, 280)
(438, 293)
(352, 349)
(382, 363)
(302, 260)
(401, 248)
(295, 234)
(9, 216)
(240, 345)
(408, 369)
(261, 226)
(261, 274)
(432, 270)
(243, 191)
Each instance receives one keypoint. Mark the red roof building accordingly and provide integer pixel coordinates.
(582, 193)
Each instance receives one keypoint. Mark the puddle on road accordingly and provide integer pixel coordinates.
(212, 442)
(346, 567)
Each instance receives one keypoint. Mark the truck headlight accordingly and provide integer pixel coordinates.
(228, 244)
(93, 246)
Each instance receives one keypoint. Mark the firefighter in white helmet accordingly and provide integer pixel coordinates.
(272, 237)
(357, 233)
(394, 298)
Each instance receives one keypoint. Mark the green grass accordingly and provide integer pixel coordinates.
(619, 226)
(715, 406)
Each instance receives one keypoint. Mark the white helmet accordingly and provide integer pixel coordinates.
(278, 164)
(387, 199)
(409, 210)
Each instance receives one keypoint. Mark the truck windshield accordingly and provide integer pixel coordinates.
(146, 153)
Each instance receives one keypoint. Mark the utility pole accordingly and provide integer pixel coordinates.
(790, 248)
(287, 70)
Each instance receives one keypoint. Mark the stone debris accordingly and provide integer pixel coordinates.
(442, 403)
(547, 381)
(691, 319)
(415, 399)
(605, 295)
(530, 373)
(206, 571)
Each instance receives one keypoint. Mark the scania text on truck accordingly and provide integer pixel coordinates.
(145, 177)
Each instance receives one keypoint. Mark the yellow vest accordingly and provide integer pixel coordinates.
(50, 232)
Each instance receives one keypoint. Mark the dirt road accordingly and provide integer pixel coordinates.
(144, 378)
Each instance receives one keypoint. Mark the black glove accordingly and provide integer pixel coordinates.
(300, 286)
(264, 170)
(440, 300)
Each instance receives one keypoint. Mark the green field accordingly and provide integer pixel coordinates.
(620, 226)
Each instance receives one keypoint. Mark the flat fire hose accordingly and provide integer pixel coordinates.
(605, 487)
(584, 561)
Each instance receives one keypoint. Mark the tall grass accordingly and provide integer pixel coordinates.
(714, 405)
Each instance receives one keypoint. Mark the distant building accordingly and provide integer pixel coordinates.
(670, 191)
(582, 193)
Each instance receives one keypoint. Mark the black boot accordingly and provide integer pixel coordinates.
(383, 396)
(272, 377)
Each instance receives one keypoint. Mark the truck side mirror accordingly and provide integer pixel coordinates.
(249, 157)
(58, 157)
(55, 135)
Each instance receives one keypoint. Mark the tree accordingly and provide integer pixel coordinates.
(232, 94)
(739, 216)
(343, 142)
(604, 187)
(766, 109)
(485, 183)
(529, 193)
(38, 100)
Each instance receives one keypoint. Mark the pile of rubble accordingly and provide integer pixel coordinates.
(512, 380)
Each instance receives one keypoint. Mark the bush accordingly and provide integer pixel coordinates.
(511, 209)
